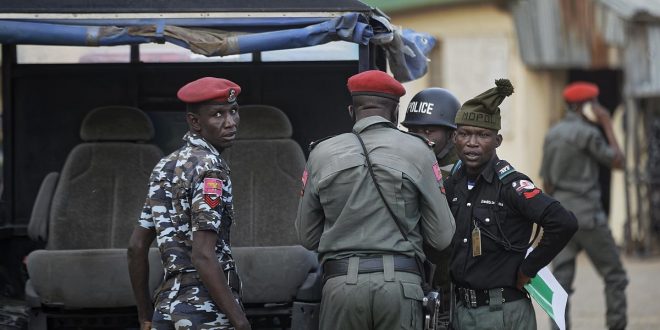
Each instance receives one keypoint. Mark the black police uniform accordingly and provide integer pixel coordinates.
(503, 204)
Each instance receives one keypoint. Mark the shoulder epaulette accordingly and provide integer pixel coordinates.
(314, 143)
(426, 141)
(504, 169)
(456, 167)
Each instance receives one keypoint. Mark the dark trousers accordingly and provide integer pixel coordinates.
(599, 245)
(518, 314)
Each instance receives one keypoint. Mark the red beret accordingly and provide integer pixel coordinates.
(580, 91)
(375, 82)
(209, 89)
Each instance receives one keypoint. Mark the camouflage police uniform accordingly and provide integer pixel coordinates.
(178, 205)
(572, 151)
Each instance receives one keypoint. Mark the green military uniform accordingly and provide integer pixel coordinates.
(342, 216)
(572, 151)
(441, 278)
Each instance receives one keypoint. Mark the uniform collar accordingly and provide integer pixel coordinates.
(572, 115)
(365, 123)
(198, 141)
(487, 174)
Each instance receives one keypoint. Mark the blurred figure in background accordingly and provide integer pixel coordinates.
(572, 151)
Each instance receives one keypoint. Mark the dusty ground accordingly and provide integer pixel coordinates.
(588, 302)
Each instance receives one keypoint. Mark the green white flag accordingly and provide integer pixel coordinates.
(549, 294)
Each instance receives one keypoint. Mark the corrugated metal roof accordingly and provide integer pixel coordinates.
(641, 64)
(633, 10)
(559, 34)
(567, 34)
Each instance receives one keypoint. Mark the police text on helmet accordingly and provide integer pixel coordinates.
(422, 107)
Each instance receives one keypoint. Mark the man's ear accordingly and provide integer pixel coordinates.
(351, 112)
(452, 135)
(498, 139)
(395, 115)
(193, 122)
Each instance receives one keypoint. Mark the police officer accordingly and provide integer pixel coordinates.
(572, 152)
(495, 208)
(431, 113)
(189, 210)
(369, 238)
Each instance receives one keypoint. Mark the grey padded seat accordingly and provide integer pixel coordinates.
(91, 210)
(266, 167)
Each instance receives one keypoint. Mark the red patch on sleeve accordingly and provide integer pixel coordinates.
(212, 186)
(304, 182)
(213, 202)
(437, 172)
(531, 194)
(212, 191)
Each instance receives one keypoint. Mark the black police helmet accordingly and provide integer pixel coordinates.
(432, 106)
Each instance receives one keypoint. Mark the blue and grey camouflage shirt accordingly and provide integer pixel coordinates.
(189, 190)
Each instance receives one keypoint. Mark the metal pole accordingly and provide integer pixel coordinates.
(629, 129)
(637, 178)
(364, 58)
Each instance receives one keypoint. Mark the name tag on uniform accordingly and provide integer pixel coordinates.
(476, 242)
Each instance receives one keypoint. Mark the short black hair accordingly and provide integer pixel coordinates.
(194, 107)
(373, 101)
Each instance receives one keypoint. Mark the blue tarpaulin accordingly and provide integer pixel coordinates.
(219, 37)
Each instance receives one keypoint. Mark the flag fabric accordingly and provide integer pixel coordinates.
(549, 295)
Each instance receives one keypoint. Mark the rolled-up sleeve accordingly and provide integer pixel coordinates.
(207, 204)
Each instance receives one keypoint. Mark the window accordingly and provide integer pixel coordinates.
(32, 54)
(169, 53)
(332, 51)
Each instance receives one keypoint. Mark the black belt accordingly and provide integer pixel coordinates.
(193, 278)
(372, 264)
(480, 297)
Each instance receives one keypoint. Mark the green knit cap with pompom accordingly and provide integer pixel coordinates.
(483, 110)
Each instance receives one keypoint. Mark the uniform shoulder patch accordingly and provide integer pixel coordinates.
(504, 169)
(315, 143)
(426, 141)
(525, 188)
(305, 175)
(212, 191)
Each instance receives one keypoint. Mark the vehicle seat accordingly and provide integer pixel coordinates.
(90, 212)
(266, 167)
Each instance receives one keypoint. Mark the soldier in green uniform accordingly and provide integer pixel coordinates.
(572, 151)
(495, 208)
(370, 259)
(431, 113)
